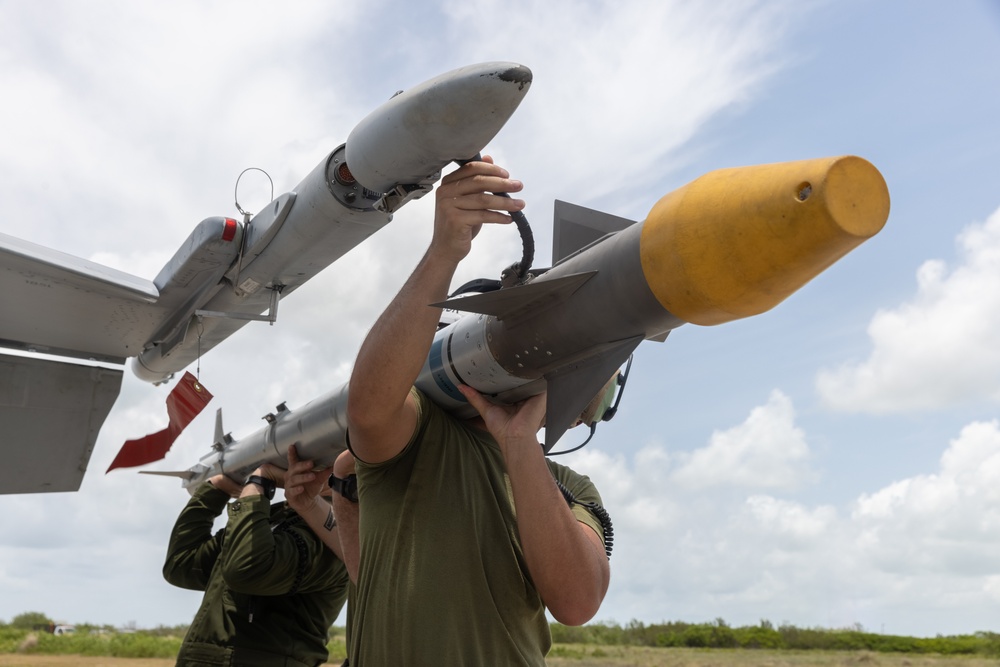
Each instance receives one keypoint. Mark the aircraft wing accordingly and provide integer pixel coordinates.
(52, 411)
(58, 304)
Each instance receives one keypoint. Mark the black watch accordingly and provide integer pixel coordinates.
(347, 487)
(267, 485)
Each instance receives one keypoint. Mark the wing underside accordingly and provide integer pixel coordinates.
(51, 413)
(52, 410)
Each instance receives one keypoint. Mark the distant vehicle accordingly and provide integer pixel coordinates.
(63, 630)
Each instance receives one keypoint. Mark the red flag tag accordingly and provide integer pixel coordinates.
(184, 403)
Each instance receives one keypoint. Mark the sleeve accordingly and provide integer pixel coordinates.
(372, 471)
(586, 495)
(193, 550)
(257, 560)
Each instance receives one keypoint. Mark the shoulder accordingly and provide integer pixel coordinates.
(431, 422)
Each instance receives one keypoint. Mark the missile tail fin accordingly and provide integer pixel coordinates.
(572, 387)
(183, 474)
(220, 433)
(576, 227)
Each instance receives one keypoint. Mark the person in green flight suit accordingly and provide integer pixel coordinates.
(272, 587)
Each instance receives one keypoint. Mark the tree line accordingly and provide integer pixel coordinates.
(718, 634)
(26, 633)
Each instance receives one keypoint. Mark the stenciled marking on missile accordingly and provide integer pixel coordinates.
(436, 363)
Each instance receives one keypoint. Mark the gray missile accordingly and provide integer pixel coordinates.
(731, 244)
(229, 272)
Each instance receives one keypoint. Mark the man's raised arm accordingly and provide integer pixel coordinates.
(381, 415)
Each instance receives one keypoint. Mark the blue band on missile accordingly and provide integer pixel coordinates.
(436, 362)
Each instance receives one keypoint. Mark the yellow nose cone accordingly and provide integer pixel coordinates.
(737, 242)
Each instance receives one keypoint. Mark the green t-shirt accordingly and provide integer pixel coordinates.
(443, 579)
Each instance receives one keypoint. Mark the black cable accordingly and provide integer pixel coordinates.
(593, 430)
(517, 272)
(598, 511)
(479, 286)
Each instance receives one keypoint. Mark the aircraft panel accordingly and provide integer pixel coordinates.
(52, 412)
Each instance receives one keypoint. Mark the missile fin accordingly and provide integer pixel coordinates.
(516, 303)
(576, 227)
(183, 474)
(571, 387)
(659, 338)
(220, 434)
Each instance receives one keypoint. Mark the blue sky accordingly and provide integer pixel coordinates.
(832, 462)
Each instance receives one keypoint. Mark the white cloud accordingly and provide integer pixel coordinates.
(767, 451)
(938, 349)
(954, 514)
(930, 541)
(621, 85)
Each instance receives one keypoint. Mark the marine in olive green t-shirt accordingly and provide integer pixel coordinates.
(442, 579)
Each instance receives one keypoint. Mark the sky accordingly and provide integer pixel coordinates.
(834, 462)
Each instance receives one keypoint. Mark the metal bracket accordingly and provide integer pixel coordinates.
(271, 315)
(394, 200)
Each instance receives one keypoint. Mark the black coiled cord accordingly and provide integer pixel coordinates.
(601, 514)
(516, 273)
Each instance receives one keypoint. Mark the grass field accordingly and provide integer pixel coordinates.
(582, 655)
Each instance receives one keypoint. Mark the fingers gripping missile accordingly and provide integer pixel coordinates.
(731, 244)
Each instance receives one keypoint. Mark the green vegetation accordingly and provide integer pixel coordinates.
(24, 634)
(30, 620)
(765, 636)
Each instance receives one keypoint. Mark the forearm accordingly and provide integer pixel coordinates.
(192, 550)
(390, 360)
(566, 561)
(347, 529)
(347, 512)
(322, 520)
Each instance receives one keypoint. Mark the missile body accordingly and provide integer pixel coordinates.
(394, 155)
(731, 244)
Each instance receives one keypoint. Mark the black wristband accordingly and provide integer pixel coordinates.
(347, 487)
(267, 485)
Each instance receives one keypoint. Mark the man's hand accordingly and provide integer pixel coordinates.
(467, 199)
(303, 486)
(509, 424)
(565, 558)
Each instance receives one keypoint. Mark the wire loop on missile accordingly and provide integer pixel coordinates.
(236, 191)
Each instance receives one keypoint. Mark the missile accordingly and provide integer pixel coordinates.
(393, 156)
(227, 273)
(731, 244)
